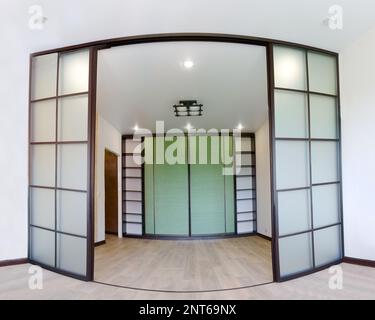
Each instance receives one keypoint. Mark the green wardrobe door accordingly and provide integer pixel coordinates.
(171, 197)
(207, 200)
(149, 187)
(207, 190)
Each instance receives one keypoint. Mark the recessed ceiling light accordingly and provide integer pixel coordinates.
(136, 128)
(188, 64)
(188, 127)
(240, 127)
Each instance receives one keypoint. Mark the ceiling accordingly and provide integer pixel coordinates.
(73, 22)
(139, 84)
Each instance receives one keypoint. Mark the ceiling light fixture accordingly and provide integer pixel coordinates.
(188, 127)
(240, 127)
(188, 108)
(188, 64)
(136, 128)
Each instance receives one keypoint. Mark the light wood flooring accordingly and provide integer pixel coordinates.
(184, 265)
(359, 283)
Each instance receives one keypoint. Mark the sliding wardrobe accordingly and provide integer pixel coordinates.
(191, 197)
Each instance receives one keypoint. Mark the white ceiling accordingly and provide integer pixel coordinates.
(78, 21)
(139, 84)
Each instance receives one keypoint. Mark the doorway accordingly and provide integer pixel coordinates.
(111, 193)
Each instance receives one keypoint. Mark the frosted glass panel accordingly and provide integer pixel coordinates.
(43, 165)
(74, 72)
(291, 114)
(294, 211)
(71, 254)
(324, 162)
(290, 68)
(73, 118)
(292, 164)
(322, 73)
(72, 212)
(327, 245)
(43, 121)
(295, 254)
(44, 76)
(42, 246)
(42, 207)
(326, 205)
(72, 166)
(323, 117)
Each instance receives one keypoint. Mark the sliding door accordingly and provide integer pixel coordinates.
(307, 180)
(211, 191)
(195, 199)
(166, 188)
(59, 165)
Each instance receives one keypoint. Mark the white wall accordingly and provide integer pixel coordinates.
(263, 180)
(107, 138)
(72, 22)
(357, 70)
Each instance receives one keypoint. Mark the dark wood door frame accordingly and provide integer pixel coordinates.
(170, 37)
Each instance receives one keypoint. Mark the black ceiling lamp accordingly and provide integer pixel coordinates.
(188, 108)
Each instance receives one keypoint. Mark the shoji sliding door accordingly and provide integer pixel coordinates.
(307, 181)
(59, 162)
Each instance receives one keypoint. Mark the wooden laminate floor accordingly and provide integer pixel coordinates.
(359, 283)
(184, 265)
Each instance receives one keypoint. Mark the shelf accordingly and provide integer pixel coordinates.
(126, 200)
(246, 212)
(131, 154)
(245, 176)
(245, 199)
(249, 220)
